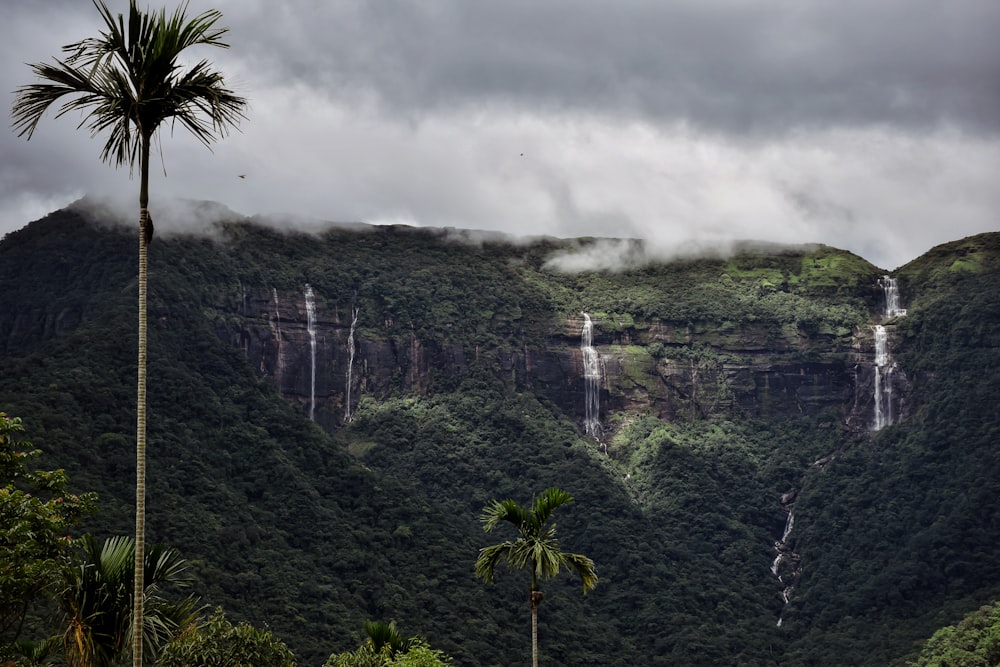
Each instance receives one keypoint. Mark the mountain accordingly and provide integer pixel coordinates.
(770, 466)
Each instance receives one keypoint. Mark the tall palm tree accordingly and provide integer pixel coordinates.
(535, 549)
(96, 601)
(127, 82)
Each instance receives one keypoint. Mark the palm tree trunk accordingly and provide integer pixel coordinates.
(138, 594)
(535, 598)
(534, 635)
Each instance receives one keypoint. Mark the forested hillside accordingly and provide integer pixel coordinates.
(330, 412)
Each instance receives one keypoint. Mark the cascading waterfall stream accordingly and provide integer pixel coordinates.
(891, 289)
(883, 379)
(786, 561)
(243, 313)
(348, 415)
(279, 361)
(884, 364)
(591, 380)
(311, 329)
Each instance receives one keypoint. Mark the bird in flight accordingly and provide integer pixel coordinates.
(241, 176)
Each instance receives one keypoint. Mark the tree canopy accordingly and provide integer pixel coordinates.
(37, 515)
(386, 647)
(973, 642)
(216, 642)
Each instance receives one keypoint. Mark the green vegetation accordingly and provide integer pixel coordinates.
(215, 642)
(974, 642)
(385, 647)
(97, 607)
(730, 393)
(46, 574)
(37, 512)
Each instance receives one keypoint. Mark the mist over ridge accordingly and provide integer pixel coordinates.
(572, 254)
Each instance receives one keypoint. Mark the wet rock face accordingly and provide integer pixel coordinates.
(273, 332)
(37, 323)
(675, 372)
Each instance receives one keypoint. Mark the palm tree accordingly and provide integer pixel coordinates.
(386, 635)
(96, 600)
(535, 549)
(128, 82)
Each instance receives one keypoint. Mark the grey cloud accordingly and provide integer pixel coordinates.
(726, 66)
(860, 124)
(740, 67)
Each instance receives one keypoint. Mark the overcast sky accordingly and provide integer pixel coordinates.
(870, 125)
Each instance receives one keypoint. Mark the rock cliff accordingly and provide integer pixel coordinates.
(652, 367)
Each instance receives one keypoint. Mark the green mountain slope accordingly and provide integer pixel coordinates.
(733, 389)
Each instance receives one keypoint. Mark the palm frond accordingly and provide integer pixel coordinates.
(164, 620)
(165, 565)
(546, 558)
(536, 549)
(584, 567)
(548, 502)
(386, 635)
(32, 101)
(503, 510)
(490, 557)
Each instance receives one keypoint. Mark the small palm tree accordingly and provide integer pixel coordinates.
(128, 83)
(96, 601)
(386, 636)
(535, 549)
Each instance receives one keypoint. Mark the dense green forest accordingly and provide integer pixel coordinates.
(734, 389)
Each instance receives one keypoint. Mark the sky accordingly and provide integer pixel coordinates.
(868, 125)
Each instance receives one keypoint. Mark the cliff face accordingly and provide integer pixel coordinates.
(677, 341)
(649, 367)
(271, 328)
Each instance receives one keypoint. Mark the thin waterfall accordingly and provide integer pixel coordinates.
(243, 312)
(883, 379)
(890, 288)
(884, 364)
(279, 365)
(350, 366)
(311, 328)
(591, 380)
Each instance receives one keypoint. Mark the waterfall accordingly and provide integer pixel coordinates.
(891, 290)
(883, 379)
(591, 380)
(311, 328)
(884, 364)
(786, 561)
(245, 339)
(781, 545)
(350, 366)
(881, 346)
(279, 361)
